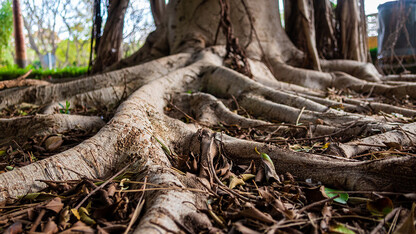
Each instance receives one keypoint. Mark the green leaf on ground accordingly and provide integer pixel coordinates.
(343, 197)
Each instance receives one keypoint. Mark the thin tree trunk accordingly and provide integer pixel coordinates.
(109, 48)
(352, 38)
(325, 29)
(158, 11)
(302, 33)
(18, 35)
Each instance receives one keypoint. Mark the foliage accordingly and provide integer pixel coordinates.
(373, 54)
(7, 73)
(6, 28)
(65, 109)
(77, 51)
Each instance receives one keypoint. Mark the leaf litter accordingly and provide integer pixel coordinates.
(243, 198)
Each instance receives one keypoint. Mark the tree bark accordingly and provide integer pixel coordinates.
(109, 49)
(158, 8)
(18, 35)
(326, 41)
(181, 65)
(300, 27)
(353, 37)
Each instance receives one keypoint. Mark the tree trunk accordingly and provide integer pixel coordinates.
(326, 41)
(300, 28)
(353, 35)
(181, 67)
(158, 8)
(18, 35)
(109, 48)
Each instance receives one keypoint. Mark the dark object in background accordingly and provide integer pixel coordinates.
(397, 36)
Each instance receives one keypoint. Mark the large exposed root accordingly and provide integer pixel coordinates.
(403, 136)
(395, 174)
(139, 75)
(140, 129)
(20, 128)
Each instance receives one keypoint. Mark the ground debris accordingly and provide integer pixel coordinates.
(36, 148)
(251, 204)
(55, 209)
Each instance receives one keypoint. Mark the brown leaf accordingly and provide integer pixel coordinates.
(53, 143)
(235, 181)
(64, 217)
(269, 169)
(264, 192)
(380, 207)
(254, 213)
(289, 214)
(50, 227)
(243, 229)
(55, 205)
(260, 175)
(15, 228)
(394, 145)
(79, 227)
(315, 194)
(326, 215)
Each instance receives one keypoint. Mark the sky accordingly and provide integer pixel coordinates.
(371, 5)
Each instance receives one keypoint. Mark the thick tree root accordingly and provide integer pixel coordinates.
(139, 75)
(404, 136)
(21, 128)
(140, 128)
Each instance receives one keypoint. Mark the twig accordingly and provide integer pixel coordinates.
(318, 203)
(188, 116)
(138, 209)
(165, 188)
(300, 114)
(101, 186)
(384, 221)
(21, 81)
(384, 152)
(22, 77)
(37, 221)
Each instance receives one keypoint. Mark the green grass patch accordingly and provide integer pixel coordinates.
(8, 73)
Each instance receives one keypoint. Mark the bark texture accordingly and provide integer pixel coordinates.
(194, 79)
(18, 35)
(109, 48)
(352, 26)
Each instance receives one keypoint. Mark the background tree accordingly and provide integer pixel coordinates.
(353, 31)
(6, 29)
(74, 50)
(109, 48)
(337, 32)
(19, 39)
(136, 27)
(181, 66)
(40, 22)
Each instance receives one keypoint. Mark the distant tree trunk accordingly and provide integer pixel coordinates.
(109, 48)
(300, 28)
(158, 11)
(352, 39)
(18, 35)
(326, 41)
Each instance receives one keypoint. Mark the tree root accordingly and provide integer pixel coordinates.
(404, 136)
(19, 129)
(140, 129)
